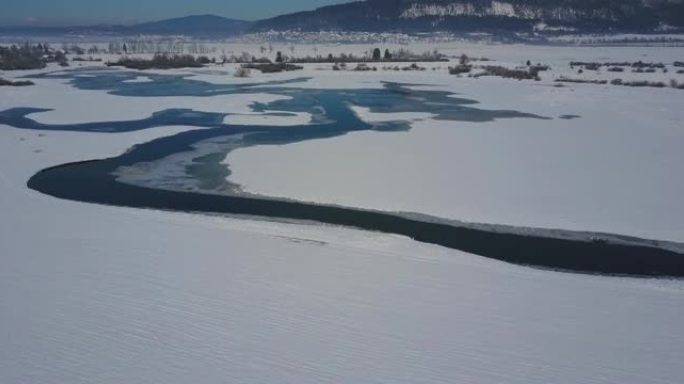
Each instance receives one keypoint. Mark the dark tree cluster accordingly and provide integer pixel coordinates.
(531, 73)
(61, 59)
(641, 83)
(595, 66)
(30, 56)
(25, 56)
(273, 67)
(460, 69)
(161, 61)
(375, 56)
(580, 81)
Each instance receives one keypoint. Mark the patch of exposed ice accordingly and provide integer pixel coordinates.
(366, 115)
(139, 79)
(271, 118)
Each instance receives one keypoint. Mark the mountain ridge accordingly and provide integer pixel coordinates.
(414, 16)
(484, 16)
(194, 25)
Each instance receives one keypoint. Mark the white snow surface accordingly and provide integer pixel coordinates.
(614, 168)
(368, 116)
(139, 79)
(96, 294)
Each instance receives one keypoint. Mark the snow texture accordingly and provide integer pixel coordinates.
(96, 294)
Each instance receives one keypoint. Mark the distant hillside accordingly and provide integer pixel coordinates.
(204, 26)
(486, 16)
(198, 26)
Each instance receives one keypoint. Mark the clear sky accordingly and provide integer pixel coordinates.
(60, 12)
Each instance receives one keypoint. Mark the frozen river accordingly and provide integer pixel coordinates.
(185, 172)
(109, 293)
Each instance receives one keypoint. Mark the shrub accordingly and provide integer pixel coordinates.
(89, 59)
(362, 68)
(675, 84)
(61, 59)
(593, 66)
(582, 81)
(273, 67)
(242, 72)
(20, 83)
(460, 69)
(641, 64)
(539, 68)
(519, 74)
(640, 83)
(413, 67)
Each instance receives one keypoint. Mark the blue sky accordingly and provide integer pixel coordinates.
(59, 12)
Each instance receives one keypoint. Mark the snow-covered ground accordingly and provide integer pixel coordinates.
(94, 294)
(613, 166)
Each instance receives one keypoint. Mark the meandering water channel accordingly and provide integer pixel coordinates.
(184, 172)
